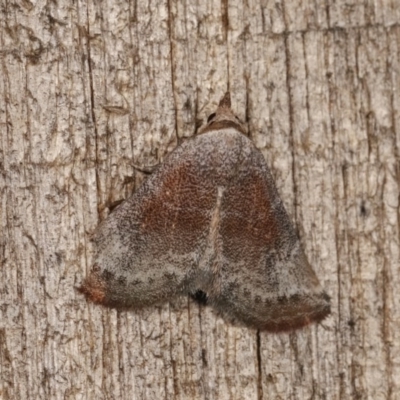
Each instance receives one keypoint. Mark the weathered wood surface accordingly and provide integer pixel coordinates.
(90, 88)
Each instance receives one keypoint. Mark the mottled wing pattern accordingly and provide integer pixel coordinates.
(265, 280)
(209, 221)
(147, 251)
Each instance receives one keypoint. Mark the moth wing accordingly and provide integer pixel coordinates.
(148, 249)
(265, 279)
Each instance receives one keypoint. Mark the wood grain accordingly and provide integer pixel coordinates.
(90, 89)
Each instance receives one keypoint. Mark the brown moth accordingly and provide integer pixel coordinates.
(209, 219)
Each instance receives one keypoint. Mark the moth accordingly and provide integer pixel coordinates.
(209, 220)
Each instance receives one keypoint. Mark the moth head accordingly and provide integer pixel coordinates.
(223, 117)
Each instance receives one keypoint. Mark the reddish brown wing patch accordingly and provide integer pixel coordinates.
(94, 287)
(266, 281)
(178, 210)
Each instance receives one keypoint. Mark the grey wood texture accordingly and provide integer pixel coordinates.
(90, 89)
